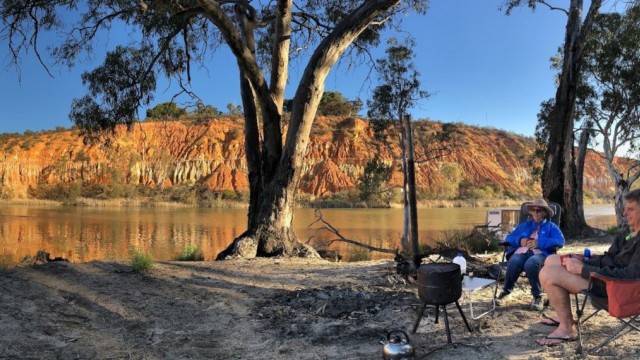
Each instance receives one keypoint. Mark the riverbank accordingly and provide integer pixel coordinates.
(257, 309)
(144, 202)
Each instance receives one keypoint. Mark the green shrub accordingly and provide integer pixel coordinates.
(141, 262)
(166, 110)
(233, 134)
(182, 194)
(191, 252)
(471, 241)
(243, 195)
(82, 156)
(614, 229)
(229, 195)
(28, 143)
(6, 193)
(65, 193)
(479, 243)
(359, 254)
(114, 190)
(11, 144)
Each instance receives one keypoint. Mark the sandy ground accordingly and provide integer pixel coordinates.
(257, 309)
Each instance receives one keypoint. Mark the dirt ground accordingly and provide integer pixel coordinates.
(258, 309)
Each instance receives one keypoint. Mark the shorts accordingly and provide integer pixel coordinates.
(598, 288)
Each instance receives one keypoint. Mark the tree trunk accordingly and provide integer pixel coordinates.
(622, 189)
(623, 185)
(582, 155)
(270, 222)
(271, 233)
(559, 182)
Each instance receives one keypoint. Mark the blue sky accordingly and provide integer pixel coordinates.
(481, 67)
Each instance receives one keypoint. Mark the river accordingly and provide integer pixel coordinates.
(82, 234)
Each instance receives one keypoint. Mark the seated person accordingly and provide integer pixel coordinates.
(561, 277)
(529, 245)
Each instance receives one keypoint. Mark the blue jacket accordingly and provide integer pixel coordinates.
(550, 237)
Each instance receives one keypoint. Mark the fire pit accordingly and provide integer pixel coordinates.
(440, 284)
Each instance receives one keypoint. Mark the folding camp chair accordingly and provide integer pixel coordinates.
(622, 302)
(500, 270)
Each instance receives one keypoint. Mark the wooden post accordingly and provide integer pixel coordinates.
(411, 190)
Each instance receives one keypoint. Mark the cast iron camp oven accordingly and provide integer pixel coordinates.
(439, 284)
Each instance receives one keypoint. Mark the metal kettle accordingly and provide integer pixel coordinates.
(398, 346)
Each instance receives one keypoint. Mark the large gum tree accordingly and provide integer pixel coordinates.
(559, 176)
(611, 98)
(169, 37)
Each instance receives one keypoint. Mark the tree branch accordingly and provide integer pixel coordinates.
(553, 7)
(330, 228)
(322, 60)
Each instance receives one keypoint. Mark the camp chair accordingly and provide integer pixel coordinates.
(622, 302)
(524, 216)
(499, 270)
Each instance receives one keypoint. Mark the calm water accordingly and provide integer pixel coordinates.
(85, 234)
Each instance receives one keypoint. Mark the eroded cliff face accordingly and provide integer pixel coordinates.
(212, 155)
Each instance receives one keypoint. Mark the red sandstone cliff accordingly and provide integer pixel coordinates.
(161, 154)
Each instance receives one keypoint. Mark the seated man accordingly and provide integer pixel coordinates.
(561, 277)
(529, 245)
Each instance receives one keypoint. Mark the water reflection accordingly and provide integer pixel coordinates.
(85, 234)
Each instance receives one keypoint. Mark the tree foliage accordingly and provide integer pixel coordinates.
(234, 109)
(399, 88)
(373, 183)
(166, 110)
(206, 110)
(453, 174)
(398, 92)
(541, 135)
(170, 110)
(334, 103)
(610, 100)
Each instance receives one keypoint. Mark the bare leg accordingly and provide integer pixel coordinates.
(552, 260)
(558, 283)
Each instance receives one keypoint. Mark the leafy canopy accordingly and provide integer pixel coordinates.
(166, 110)
(333, 103)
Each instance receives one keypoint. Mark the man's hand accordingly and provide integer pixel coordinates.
(573, 265)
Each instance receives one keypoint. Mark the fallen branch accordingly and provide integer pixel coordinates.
(330, 228)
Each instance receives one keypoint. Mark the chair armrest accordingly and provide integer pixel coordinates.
(607, 279)
(506, 246)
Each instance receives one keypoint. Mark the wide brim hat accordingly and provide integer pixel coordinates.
(540, 203)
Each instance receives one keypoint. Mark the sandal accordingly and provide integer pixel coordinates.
(559, 339)
(549, 321)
